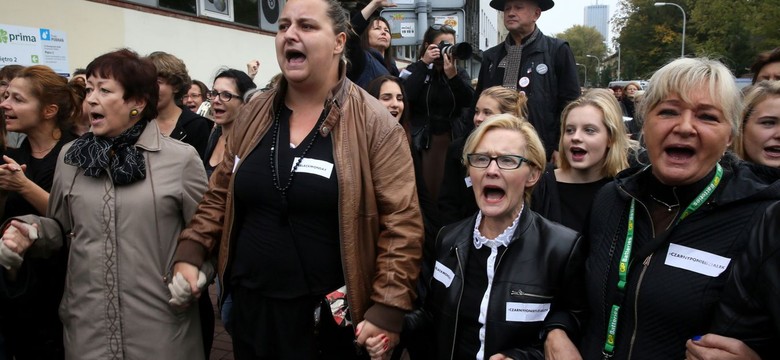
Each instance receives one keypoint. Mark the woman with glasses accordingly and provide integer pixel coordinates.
(313, 210)
(174, 119)
(438, 91)
(195, 96)
(505, 275)
(369, 48)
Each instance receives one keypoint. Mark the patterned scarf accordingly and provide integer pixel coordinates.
(511, 62)
(96, 154)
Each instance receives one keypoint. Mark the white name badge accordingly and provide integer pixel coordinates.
(467, 180)
(526, 312)
(235, 163)
(313, 166)
(443, 274)
(697, 261)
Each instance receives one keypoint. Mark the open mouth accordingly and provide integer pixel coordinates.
(394, 113)
(577, 153)
(219, 112)
(493, 193)
(295, 57)
(679, 152)
(96, 116)
(191, 107)
(773, 151)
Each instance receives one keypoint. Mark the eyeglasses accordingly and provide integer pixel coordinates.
(193, 96)
(440, 27)
(224, 96)
(505, 162)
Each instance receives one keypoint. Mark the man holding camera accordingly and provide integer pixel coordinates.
(541, 67)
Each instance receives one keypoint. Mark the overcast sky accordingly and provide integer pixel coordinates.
(567, 13)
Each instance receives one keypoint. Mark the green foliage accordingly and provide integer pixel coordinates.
(585, 40)
(733, 31)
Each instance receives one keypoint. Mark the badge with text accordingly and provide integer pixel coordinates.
(443, 274)
(314, 167)
(467, 180)
(524, 81)
(541, 69)
(526, 312)
(697, 261)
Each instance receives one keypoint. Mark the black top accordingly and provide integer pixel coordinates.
(192, 129)
(576, 200)
(301, 255)
(40, 171)
(210, 146)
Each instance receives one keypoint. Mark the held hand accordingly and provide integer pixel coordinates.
(559, 346)
(252, 67)
(712, 347)
(366, 330)
(449, 67)
(190, 274)
(18, 237)
(431, 53)
(378, 347)
(384, 3)
(12, 176)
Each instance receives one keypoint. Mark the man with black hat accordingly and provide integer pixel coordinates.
(541, 67)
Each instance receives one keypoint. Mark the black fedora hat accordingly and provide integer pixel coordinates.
(543, 4)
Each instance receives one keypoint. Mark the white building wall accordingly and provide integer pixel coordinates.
(93, 29)
(488, 26)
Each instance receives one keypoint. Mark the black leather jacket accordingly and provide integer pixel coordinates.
(750, 305)
(664, 305)
(544, 263)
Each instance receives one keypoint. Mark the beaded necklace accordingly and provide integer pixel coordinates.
(274, 160)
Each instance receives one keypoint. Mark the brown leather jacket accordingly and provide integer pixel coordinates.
(380, 221)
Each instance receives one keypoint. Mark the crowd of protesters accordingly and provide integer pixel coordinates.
(347, 211)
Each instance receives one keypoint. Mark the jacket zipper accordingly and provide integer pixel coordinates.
(460, 298)
(520, 292)
(645, 265)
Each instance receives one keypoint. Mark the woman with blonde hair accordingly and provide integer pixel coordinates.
(758, 140)
(455, 199)
(593, 148)
(492, 295)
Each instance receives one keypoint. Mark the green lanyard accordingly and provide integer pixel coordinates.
(609, 344)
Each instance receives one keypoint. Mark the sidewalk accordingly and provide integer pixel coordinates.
(222, 349)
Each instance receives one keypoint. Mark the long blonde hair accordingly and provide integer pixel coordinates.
(616, 156)
(754, 96)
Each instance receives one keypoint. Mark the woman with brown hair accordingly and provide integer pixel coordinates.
(313, 210)
(43, 106)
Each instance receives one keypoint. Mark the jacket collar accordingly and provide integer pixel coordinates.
(467, 227)
(150, 137)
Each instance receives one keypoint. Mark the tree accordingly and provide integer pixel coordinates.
(585, 40)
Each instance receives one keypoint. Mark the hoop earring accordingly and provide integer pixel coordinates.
(134, 112)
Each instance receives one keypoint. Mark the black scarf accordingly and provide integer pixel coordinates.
(96, 154)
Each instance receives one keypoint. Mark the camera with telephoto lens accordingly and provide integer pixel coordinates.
(460, 51)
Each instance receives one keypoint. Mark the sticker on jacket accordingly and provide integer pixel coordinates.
(467, 180)
(313, 166)
(526, 312)
(697, 261)
(235, 163)
(443, 274)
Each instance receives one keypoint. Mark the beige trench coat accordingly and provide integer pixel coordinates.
(115, 304)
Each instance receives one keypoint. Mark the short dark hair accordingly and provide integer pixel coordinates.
(375, 87)
(174, 71)
(137, 75)
(763, 59)
(432, 33)
(243, 82)
(9, 71)
(202, 87)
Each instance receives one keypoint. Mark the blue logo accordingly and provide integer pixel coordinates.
(45, 34)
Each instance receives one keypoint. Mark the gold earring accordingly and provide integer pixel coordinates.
(134, 112)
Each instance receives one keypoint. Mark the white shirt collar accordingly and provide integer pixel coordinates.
(502, 239)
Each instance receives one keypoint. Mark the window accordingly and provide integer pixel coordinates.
(188, 6)
(247, 12)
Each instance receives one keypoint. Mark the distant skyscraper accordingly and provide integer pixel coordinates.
(597, 16)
